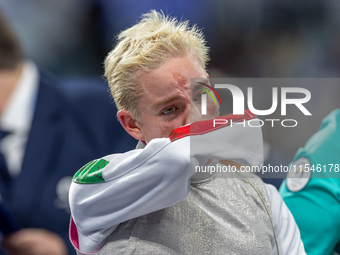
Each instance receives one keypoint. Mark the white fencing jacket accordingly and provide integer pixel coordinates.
(121, 187)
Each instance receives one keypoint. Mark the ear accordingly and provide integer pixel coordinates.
(129, 124)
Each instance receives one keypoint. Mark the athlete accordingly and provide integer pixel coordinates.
(158, 199)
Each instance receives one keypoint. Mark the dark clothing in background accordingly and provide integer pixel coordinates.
(74, 121)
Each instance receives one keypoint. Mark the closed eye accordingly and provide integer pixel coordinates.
(198, 97)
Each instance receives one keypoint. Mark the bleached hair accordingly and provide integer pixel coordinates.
(146, 46)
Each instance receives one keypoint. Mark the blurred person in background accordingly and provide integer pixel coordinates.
(48, 128)
(313, 196)
(8, 225)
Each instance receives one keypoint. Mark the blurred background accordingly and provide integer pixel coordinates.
(247, 39)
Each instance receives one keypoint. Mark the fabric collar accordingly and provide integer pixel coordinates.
(18, 113)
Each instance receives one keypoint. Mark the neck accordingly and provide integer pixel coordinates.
(8, 81)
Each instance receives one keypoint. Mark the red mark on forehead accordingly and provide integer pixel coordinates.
(180, 79)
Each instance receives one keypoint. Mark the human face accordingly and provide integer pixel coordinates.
(168, 97)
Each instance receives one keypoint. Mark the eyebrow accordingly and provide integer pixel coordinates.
(202, 80)
(166, 101)
(198, 82)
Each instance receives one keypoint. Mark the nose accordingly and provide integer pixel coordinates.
(191, 114)
(195, 114)
(186, 114)
(186, 119)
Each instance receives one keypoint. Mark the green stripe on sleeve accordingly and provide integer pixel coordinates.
(91, 172)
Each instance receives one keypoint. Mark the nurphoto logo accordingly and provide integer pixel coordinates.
(239, 102)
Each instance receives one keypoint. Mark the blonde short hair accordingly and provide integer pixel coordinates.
(146, 46)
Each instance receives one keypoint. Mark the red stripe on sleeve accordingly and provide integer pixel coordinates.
(205, 126)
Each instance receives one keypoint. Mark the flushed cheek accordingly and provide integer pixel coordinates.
(166, 130)
(212, 110)
(157, 131)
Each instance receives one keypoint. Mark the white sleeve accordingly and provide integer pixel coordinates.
(136, 183)
(142, 181)
(286, 230)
